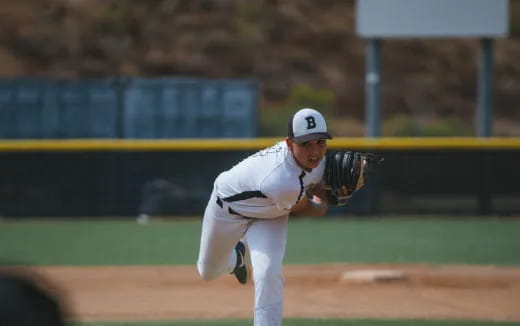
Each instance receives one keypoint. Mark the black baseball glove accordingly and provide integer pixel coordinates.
(346, 173)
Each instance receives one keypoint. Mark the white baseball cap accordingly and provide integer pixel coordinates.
(307, 124)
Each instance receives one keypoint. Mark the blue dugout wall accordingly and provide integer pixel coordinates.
(127, 108)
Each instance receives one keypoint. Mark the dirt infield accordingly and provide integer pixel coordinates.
(168, 292)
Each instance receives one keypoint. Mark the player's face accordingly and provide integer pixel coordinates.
(308, 154)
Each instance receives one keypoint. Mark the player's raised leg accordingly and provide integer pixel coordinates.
(220, 234)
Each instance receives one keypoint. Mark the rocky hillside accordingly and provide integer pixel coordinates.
(280, 43)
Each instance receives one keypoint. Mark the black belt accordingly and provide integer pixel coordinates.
(231, 210)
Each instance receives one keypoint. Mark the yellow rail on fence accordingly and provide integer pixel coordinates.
(361, 143)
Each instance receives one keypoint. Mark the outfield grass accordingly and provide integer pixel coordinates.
(369, 240)
(316, 322)
(428, 240)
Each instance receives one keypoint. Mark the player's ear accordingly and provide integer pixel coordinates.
(289, 143)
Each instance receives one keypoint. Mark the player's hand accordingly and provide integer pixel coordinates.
(317, 190)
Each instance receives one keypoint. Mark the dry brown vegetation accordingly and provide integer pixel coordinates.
(279, 43)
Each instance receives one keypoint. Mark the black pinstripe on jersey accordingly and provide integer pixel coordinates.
(245, 195)
(301, 186)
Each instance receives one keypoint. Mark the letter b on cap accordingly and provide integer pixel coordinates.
(311, 123)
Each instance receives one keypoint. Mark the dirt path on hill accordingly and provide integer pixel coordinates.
(169, 292)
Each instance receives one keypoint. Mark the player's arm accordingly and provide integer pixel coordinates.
(310, 207)
(314, 204)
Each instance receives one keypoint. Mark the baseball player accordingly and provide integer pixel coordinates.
(245, 222)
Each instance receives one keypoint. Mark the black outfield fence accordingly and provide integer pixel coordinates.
(75, 178)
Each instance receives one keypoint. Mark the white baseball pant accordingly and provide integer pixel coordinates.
(266, 240)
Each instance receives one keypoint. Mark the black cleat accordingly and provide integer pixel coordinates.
(242, 269)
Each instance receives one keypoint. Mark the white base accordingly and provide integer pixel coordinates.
(372, 276)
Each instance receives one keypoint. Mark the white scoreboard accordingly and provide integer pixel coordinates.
(432, 18)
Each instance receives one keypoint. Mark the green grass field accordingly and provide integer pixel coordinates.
(370, 240)
(385, 240)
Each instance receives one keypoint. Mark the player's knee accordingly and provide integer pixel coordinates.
(207, 276)
(205, 273)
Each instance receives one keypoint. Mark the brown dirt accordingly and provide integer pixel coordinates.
(169, 292)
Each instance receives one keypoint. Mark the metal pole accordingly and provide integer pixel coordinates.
(372, 115)
(485, 115)
(372, 96)
(485, 89)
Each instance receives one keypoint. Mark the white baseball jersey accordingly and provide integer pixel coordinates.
(266, 184)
